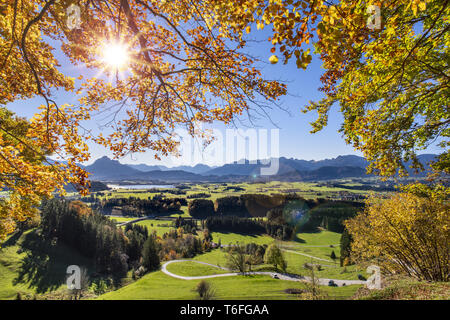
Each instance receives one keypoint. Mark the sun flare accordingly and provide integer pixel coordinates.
(115, 55)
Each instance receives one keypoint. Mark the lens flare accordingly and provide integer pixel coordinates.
(296, 213)
(115, 55)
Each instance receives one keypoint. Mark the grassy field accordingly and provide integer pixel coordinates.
(407, 289)
(160, 226)
(315, 245)
(304, 248)
(308, 190)
(227, 238)
(122, 219)
(192, 269)
(31, 267)
(295, 265)
(158, 285)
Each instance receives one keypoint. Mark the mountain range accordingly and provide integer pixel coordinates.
(105, 169)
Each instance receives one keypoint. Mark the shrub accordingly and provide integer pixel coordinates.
(198, 195)
(333, 255)
(205, 290)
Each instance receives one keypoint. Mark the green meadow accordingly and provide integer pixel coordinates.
(159, 286)
(193, 269)
(31, 267)
(308, 190)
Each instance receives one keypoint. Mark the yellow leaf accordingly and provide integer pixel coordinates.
(273, 59)
(422, 6)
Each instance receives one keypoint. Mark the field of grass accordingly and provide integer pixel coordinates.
(227, 238)
(184, 213)
(192, 269)
(308, 190)
(157, 285)
(160, 226)
(122, 219)
(295, 265)
(31, 267)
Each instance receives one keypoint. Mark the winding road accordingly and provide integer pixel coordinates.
(282, 276)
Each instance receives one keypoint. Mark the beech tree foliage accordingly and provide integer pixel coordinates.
(181, 71)
(389, 74)
(405, 233)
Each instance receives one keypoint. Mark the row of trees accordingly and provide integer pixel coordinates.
(331, 216)
(92, 234)
(115, 251)
(241, 257)
(199, 195)
(245, 205)
(294, 214)
(133, 206)
(235, 224)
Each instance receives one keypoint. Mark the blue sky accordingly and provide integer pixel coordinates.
(296, 141)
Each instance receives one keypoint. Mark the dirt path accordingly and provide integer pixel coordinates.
(307, 255)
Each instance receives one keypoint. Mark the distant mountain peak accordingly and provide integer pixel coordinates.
(105, 168)
(106, 159)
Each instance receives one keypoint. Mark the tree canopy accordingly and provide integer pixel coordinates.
(187, 65)
(390, 80)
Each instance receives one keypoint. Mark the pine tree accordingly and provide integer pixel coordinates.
(345, 246)
(150, 254)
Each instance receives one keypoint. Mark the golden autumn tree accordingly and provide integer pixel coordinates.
(406, 234)
(386, 68)
(179, 70)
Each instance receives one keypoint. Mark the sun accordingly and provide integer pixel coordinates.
(115, 55)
